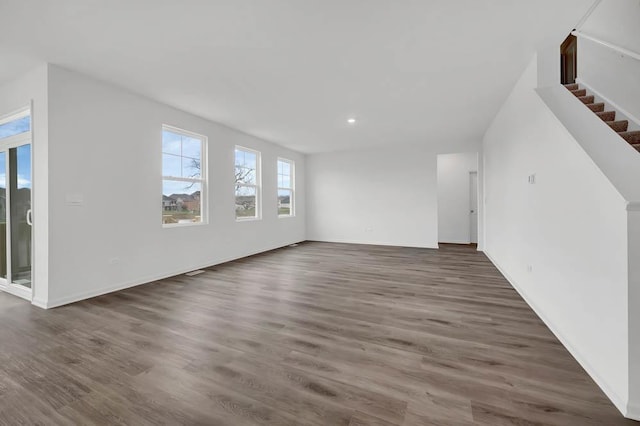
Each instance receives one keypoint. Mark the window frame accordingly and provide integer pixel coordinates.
(292, 187)
(203, 180)
(7, 143)
(15, 116)
(257, 185)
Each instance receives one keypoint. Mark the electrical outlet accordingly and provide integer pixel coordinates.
(529, 268)
(532, 179)
(368, 229)
(114, 260)
(74, 200)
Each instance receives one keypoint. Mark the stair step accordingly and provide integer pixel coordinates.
(632, 137)
(619, 126)
(607, 115)
(586, 99)
(580, 92)
(572, 86)
(596, 107)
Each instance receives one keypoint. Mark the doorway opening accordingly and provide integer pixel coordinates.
(458, 198)
(473, 207)
(569, 60)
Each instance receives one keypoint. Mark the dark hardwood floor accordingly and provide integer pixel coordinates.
(319, 334)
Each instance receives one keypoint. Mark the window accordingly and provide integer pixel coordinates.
(247, 183)
(184, 177)
(285, 188)
(15, 124)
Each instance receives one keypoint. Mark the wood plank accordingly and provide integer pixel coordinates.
(318, 334)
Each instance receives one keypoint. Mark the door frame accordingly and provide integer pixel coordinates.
(473, 210)
(6, 144)
(569, 60)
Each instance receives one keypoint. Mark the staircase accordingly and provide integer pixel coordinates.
(620, 127)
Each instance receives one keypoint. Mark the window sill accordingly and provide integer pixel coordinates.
(183, 225)
(248, 219)
(286, 216)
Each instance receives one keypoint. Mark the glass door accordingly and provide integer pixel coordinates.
(20, 214)
(3, 215)
(15, 205)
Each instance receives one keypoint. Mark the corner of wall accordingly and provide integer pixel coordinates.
(548, 66)
(40, 303)
(633, 411)
(40, 171)
(574, 350)
(531, 232)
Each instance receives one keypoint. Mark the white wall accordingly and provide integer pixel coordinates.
(454, 191)
(106, 146)
(548, 68)
(615, 21)
(613, 78)
(376, 196)
(570, 228)
(610, 73)
(31, 89)
(633, 407)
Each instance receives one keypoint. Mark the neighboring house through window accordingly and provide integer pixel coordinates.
(184, 177)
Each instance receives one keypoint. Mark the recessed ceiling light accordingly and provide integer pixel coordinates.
(351, 120)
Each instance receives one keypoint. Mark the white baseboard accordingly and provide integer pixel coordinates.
(370, 243)
(633, 411)
(21, 292)
(144, 280)
(455, 242)
(39, 303)
(619, 402)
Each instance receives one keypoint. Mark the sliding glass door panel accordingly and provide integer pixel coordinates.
(20, 214)
(3, 214)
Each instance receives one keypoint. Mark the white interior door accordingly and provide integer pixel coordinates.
(15, 205)
(473, 206)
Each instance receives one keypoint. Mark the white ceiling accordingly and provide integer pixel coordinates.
(293, 71)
